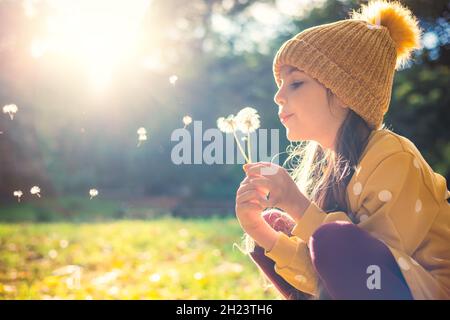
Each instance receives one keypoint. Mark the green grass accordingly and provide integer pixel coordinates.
(166, 258)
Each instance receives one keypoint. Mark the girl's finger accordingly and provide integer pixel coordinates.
(250, 165)
(245, 181)
(262, 183)
(255, 196)
(245, 187)
(264, 169)
(261, 201)
(249, 195)
(249, 186)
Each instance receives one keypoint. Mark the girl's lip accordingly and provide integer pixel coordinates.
(283, 119)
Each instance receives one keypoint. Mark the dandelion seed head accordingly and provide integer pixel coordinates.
(247, 112)
(228, 124)
(141, 131)
(93, 193)
(18, 193)
(11, 109)
(35, 190)
(248, 120)
(187, 120)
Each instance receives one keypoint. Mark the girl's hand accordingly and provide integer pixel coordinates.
(276, 183)
(248, 207)
(248, 212)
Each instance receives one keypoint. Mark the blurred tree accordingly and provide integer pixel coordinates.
(222, 52)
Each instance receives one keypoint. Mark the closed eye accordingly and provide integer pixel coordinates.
(295, 85)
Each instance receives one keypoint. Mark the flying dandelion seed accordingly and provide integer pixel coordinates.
(142, 135)
(93, 193)
(173, 79)
(11, 109)
(248, 122)
(18, 194)
(142, 138)
(187, 120)
(36, 191)
(141, 131)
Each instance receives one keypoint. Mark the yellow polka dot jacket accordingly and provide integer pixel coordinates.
(396, 197)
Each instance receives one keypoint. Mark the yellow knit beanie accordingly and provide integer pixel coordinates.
(356, 58)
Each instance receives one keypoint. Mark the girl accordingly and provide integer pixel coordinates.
(363, 215)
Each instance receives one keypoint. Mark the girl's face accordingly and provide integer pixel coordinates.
(304, 109)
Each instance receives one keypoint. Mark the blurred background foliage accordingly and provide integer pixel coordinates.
(87, 74)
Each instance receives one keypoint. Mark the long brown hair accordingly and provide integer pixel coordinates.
(322, 175)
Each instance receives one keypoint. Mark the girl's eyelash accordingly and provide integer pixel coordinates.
(295, 85)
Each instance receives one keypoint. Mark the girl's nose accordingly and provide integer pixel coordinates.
(279, 99)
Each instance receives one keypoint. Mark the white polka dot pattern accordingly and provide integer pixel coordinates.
(357, 188)
(385, 195)
(418, 205)
(300, 278)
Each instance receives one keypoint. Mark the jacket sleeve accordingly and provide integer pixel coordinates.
(291, 253)
(293, 262)
(392, 203)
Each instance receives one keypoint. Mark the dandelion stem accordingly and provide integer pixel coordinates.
(240, 147)
(249, 148)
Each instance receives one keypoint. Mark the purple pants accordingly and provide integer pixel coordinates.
(344, 256)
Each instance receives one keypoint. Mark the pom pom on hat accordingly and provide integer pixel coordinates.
(356, 58)
(400, 22)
